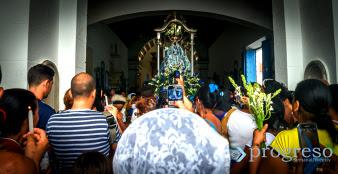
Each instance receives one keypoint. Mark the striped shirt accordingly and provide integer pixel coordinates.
(73, 132)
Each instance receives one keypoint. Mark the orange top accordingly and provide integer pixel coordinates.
(211, 118)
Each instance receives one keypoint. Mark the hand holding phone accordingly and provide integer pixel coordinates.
(175, 93)
(308, 142)
(308, 136)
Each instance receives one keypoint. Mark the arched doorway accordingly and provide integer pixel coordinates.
(316, 70)
(53, 97)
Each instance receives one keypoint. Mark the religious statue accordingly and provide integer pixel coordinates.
(175, 58)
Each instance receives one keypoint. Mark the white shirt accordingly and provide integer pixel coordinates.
(240, 126)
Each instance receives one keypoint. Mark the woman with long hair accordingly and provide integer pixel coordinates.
(205, 101)
(310, 105)
(17, 144)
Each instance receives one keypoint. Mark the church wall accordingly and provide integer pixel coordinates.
(43, 32)
(318, 34)
(146, 64)
(335, 22)
(14, 18)
(102, 40)
(34, 31)
(228, 48)
(81, 36)
(279, 41)
(238, 9)
(303, 32)
(294, 45)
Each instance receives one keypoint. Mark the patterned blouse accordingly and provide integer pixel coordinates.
(171, 140)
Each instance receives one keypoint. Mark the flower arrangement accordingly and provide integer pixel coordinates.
(191, 83)
(259, 102)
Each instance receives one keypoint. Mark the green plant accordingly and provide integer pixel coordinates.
(191, 83)
(258, 101)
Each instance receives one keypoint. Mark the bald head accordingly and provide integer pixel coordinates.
(82, 85)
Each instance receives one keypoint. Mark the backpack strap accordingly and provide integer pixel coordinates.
(224, 123)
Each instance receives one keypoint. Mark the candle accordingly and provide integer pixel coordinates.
(30, 119)
(158, 35)
(106, 99)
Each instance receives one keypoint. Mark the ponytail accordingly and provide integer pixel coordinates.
(324, 121)
(315, 98)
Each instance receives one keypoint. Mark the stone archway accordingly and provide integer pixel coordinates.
(53, 97)
(316, 70)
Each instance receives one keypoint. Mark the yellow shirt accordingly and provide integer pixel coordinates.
(286, 142)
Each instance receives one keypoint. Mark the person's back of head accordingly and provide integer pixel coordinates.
(208, 94)
(147, 91)
(68, 100)
(334, 93)
(270, 86)
(40, 80)
(313, 99)
(276, 121)
(14, 110)
(39, 73)
(223, 102)
(91, 163)
(82, 85)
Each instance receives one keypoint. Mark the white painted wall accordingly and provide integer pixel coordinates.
(101, 40)
(279, 41)
(294, 47)
(238, 9)
(43, 32)
(14, 19)
(335, 26)
(35, 30)
(81, 36)
(43, 40)
(304, 31)
(228, 48)
(67, 44)
(146, 71)
(318, 35)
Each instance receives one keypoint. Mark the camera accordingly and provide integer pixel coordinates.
(175, 93)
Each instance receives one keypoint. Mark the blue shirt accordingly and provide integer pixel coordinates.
(45, 111)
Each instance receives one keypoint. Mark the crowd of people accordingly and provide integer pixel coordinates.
(118, 133)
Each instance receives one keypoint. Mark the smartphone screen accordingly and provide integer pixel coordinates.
(308, 141)
(308, 136)
(179, 93)
(175, 93)
(171, 93)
